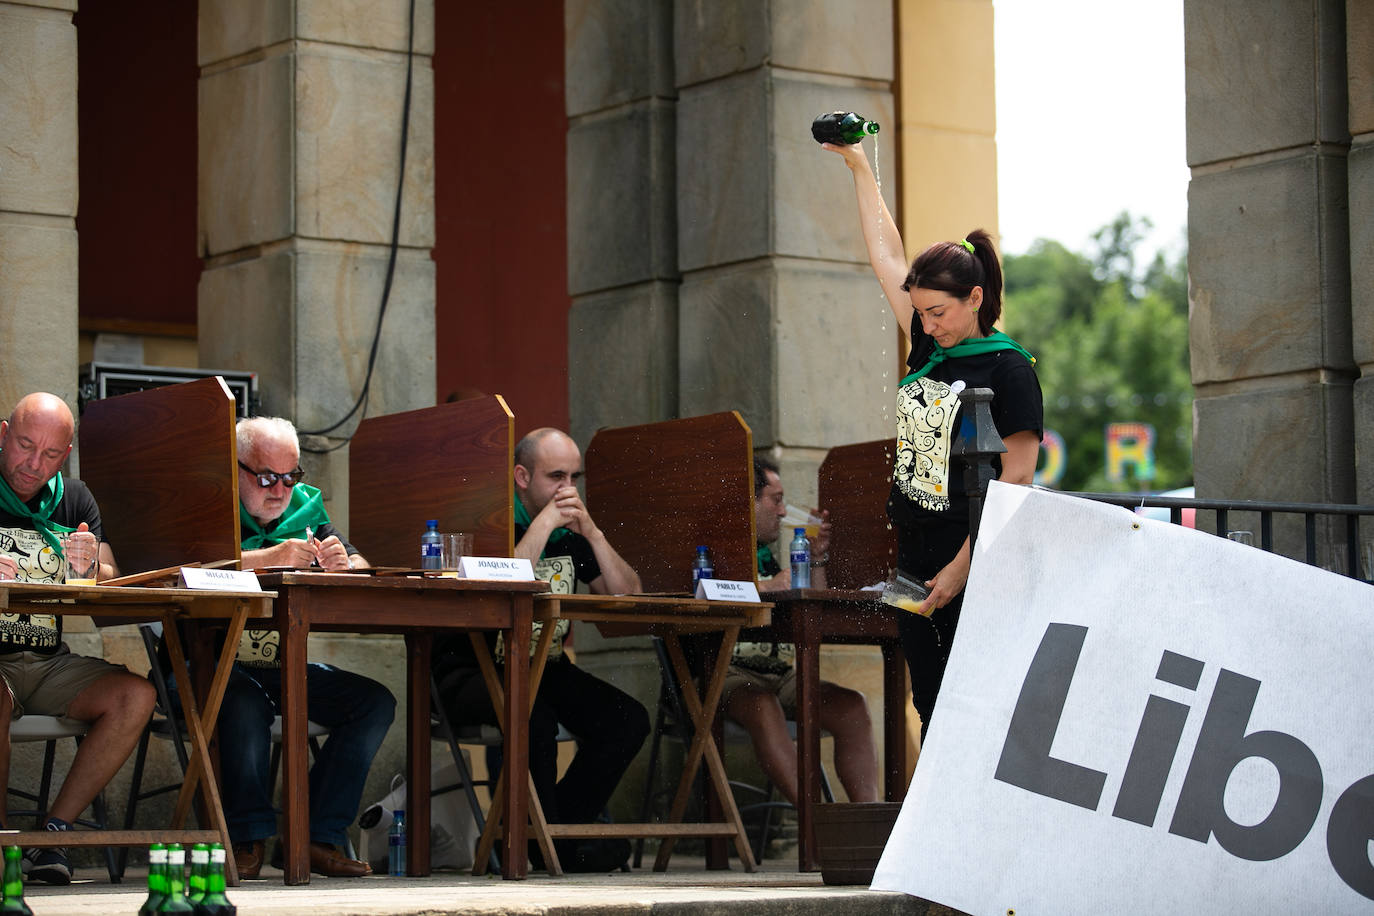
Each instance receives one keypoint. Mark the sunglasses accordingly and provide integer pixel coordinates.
(268, 478)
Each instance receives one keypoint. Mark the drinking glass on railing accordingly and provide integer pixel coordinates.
(1241, 537)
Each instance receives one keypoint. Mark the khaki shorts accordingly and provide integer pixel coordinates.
(45, 685)
(783, 686)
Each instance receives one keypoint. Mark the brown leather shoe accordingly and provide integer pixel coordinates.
(248, 858)
(328, 859)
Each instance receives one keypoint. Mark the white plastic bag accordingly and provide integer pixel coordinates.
(453, 832)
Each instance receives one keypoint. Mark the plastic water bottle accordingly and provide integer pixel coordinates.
(800, 551)
(431, 547)
(702, 567)
(396, 844)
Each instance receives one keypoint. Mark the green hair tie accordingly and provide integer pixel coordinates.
(967, 244)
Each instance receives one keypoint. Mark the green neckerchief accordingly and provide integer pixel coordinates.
(305, 510)
(975, 347)
(762, 557)
(522, 517)
(42, 516)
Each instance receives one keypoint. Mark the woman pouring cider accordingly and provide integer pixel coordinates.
(947, 301)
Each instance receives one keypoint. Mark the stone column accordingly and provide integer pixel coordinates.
(781, 317)
(1360, 57)
(948, 120)
(300, 138)
(1269, 233)
(38, 183)
(622, 214)
(622, 261)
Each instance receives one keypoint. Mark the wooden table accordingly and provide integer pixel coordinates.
(810, 618)
(417, 608)
(109, 605)
(670, 618)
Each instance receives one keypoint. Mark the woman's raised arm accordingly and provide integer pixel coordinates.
(884, 242)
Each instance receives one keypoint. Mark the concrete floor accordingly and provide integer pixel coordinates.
(686, 889)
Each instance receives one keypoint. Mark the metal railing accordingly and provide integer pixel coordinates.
(1342, 529)
(1330, 535)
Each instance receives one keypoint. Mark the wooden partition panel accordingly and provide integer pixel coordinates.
(660, 489)
(450, 462)
(162, 464)
(853, 483)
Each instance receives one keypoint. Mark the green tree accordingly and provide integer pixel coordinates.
(1111, 346)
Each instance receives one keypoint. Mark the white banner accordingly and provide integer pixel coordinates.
(1139, 717)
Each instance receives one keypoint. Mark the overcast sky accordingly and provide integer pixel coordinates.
(1090, 120)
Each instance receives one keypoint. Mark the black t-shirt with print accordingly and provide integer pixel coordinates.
(1016, 406)
(40, 563)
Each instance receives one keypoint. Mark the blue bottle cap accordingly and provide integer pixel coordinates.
(799, 531)
(433, 523)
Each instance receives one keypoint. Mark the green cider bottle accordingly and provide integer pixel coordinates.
(175, 901)
(14, 883)
(157, 879)
(214, 903)
(200, 866)
(842, 128)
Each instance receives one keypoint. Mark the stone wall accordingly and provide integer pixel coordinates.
(300, 118)
(300, 137)
(1276, 232)
(38, 198)
(715, 256)
(1360, 182)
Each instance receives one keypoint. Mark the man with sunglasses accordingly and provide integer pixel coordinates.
(284, 523)
(555, 532)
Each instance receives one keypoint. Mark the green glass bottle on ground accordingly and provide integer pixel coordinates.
(842, 127)
(200, 866)
(175, 901)
(157, 879)
(14, 883)
(214, 903)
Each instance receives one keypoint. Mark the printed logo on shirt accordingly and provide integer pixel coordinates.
(559, 572)
(37, 562)
(925, 423)
(561, 575)
(259, 648)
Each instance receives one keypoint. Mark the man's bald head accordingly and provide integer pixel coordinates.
(34, 442)
(546, 459)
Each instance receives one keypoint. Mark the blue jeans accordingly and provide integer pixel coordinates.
(357, 710)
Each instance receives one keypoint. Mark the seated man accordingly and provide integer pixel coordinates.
(555, 532)
(760, 687)
(284, 523)
(43, 677)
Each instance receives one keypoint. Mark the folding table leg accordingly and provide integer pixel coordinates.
(198, 730)
(702, 712)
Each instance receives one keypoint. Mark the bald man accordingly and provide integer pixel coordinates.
(38, 507)
(554, 530)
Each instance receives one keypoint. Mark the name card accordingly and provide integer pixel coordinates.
(231, 580)
(510, 569)
(726, 590)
